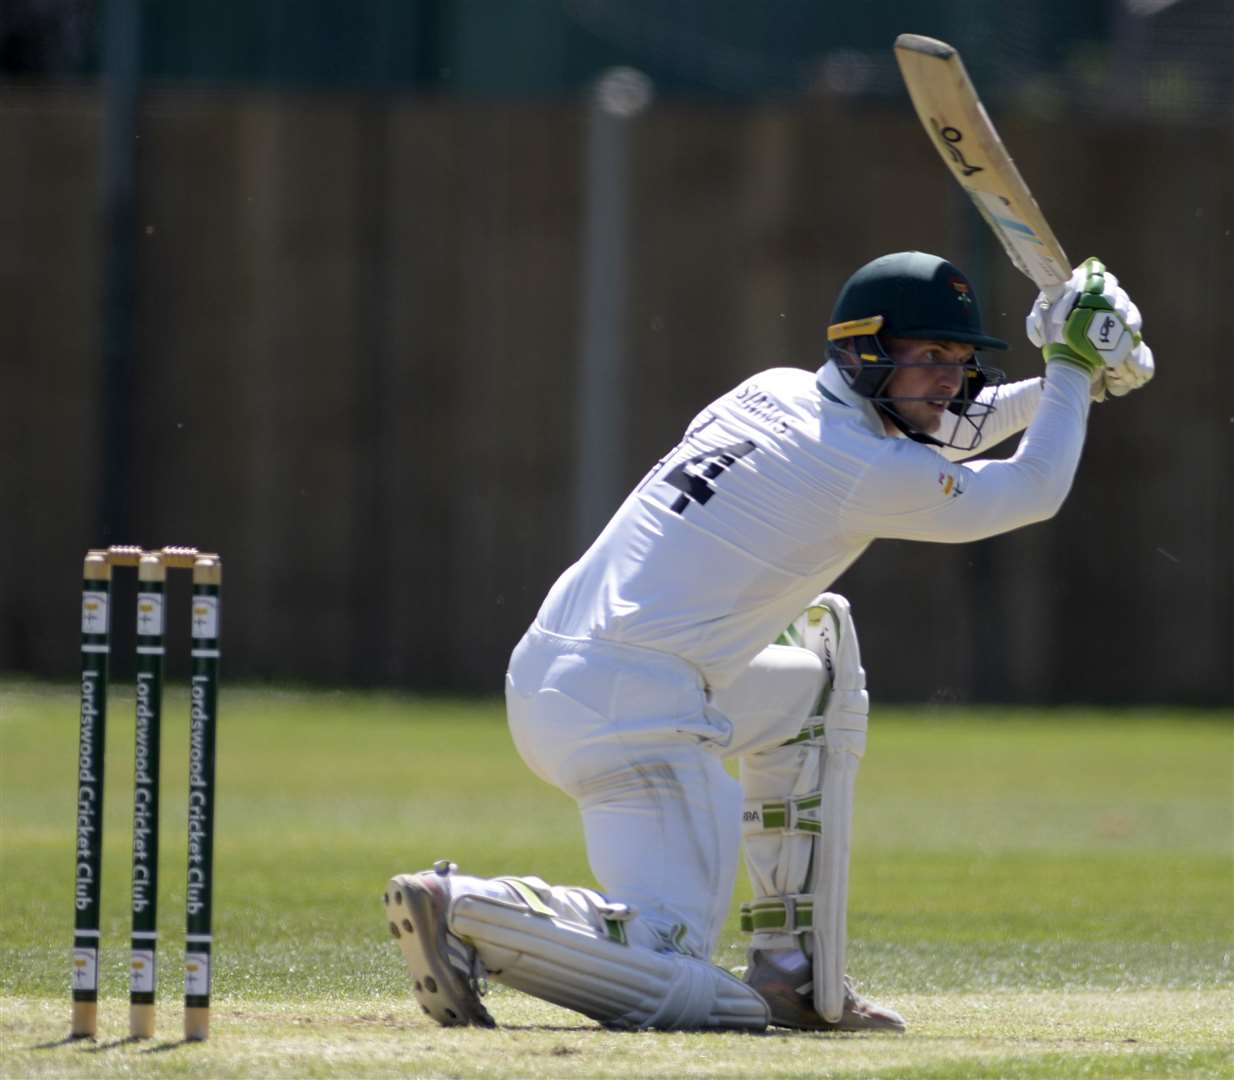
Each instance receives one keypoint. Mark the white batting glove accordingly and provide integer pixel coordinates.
(1095, 326)
(1130, 375)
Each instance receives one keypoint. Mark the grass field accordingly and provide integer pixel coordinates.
(1045, 893)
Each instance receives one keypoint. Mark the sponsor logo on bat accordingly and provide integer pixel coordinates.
(950, 138)
(1017, 226)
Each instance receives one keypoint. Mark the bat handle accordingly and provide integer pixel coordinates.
(1053, 292)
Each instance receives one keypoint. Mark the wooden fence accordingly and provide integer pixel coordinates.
(357, 339)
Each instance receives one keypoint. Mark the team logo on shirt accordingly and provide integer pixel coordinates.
(952, 483)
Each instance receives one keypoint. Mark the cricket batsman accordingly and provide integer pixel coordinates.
(663, 651)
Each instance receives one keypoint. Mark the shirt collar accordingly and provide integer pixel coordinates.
(834, 388)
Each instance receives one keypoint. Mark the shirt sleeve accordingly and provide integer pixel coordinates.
(1015, 405)
(910, 492)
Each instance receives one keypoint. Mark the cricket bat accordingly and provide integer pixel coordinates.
(951, 112)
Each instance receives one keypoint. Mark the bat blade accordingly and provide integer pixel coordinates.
(956, 121)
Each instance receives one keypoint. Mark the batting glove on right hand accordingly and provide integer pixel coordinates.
(1095, 326)
(1130, 375)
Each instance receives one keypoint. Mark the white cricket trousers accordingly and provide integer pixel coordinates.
(636, 738)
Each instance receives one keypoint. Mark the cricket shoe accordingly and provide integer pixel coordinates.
(446, 974)
(788, 993)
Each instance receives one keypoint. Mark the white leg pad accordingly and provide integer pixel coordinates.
(581, 967)
(844, 726)
(798, 816)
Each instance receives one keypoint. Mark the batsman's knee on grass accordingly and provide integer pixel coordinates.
(639, 956)
(698, 628)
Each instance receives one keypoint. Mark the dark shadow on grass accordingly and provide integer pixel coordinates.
(170, 1044)
(89, 1045)
(68, 1040)
(770, 1033)
(578, 1029)
(98, 1048)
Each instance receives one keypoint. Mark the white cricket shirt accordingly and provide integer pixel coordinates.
(777, 487)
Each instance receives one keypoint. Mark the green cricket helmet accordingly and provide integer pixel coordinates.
(921, 297)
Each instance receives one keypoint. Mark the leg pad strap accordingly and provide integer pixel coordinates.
(789, 914)
(794, 814)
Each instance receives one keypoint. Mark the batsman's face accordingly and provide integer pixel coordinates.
(928, 376)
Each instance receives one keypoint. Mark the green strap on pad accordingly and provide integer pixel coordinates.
(811, 733)
(528, 893)
(785, 815)
(614, 916)
(792, 914)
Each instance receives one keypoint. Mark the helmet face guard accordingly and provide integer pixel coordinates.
(868, 368)
(924, 298)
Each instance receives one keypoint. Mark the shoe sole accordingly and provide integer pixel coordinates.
(417, 917)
